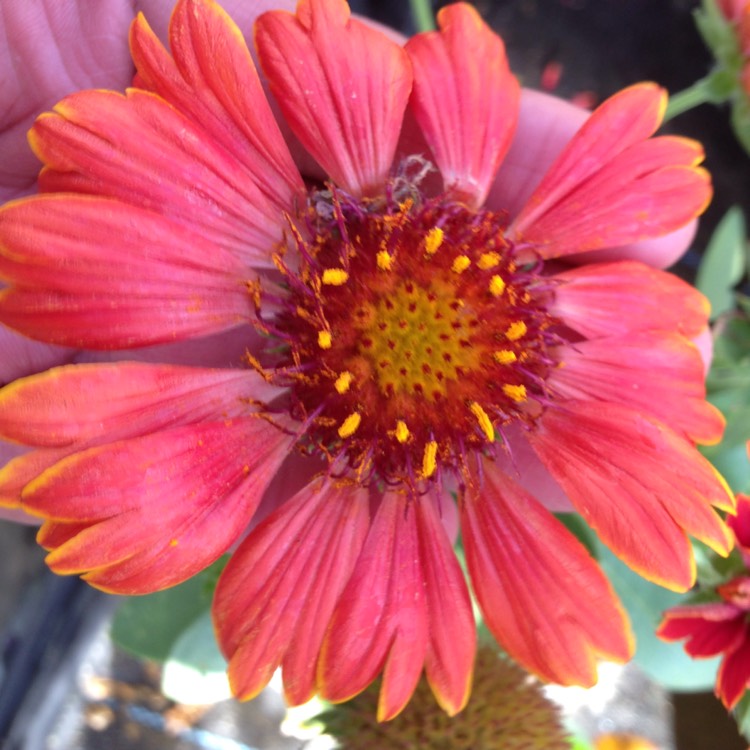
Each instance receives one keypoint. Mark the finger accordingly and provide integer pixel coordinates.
(20, 356)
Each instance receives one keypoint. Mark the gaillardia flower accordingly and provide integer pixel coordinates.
(720, 627)
(507, 711)
(409, 350)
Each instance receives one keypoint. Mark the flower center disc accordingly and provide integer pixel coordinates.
(414, 336)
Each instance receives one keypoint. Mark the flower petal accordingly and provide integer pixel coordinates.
(610, 187)
(139, 149)
(342, 86)
(640, 486)
(380, 622)
(740, 524)
(83, 403)
(19, 471)
(212, 81)
(275, 597)
(465, 100)
(96, 273)
(452, 631)
(710, 629)
(543, 597)
(152, 511)
(616, 299)
(654, 372)
(733, 677)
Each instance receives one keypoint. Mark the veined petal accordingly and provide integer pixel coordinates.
(617, 299)
(654, 372)
(631, 182)
(380, 622)
(211, 79)
(96, 273)
(652, 188)
(139, 149)
(734, 674)
(641, 486)
(543, 597)
(465, 100)
(275, 597)
(341, 85)
(152, 511)
(452, 631)
(83, 403)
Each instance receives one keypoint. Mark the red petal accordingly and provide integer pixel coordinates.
(159, 508)
(609, 188)
(140, 150)
(706, 636)
(545, 600)
(640, 486)
(95, 273)
(654, 372)
(380, 622)
(615, 299)
(80, 403)
(276, 595)
(740, 524)
(341, 85)
(734, 674)
(19, 471)
(452, 630)
(465, 100)
(213, 82)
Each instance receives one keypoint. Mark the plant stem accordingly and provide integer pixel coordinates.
(701, 92)
(422, 15)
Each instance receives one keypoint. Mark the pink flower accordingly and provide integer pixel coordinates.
(403, 342)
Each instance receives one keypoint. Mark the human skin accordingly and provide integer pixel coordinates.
(49, 49)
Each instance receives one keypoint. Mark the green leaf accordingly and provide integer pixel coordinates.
(731, 352)
(740, 119)
(581, 530)
(148, 626)
(723, 263)
(195, 671)
(742, 716)
(667, 663)
(730, 455)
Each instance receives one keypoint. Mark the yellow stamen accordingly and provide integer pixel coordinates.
(402, 431)
(429, 460)
(497, 285)
(516, 330)
(488, 260)
(350, 424)
(432, 241)
(324, 339)
(485, 423)
(343, 382)
(335, 276)
(515, 392)
(504, 357)
(384, 260)
(461, 263)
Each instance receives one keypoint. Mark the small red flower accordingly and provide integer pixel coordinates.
(403, 342)
(721, 627)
